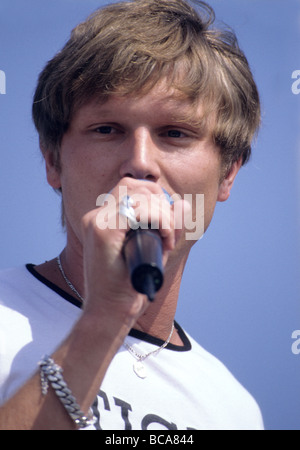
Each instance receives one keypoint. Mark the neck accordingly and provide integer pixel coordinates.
(159, 316)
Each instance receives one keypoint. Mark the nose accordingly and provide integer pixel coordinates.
(141, 157)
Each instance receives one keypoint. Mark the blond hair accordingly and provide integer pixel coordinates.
(128, 47)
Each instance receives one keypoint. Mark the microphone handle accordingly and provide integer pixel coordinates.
(143, 254)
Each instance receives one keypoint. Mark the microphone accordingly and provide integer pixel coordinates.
(142, 250)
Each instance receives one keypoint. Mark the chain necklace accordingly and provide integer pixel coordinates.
(138, 366)
(67, 280)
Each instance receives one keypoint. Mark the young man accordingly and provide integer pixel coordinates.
(145, 97)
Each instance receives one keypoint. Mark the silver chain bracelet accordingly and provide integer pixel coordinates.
(52, 373)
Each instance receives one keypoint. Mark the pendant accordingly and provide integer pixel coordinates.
(139, 369)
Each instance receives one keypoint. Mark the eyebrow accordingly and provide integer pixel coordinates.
(181, 111)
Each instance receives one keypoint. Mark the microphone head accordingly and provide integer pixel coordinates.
(143, 253)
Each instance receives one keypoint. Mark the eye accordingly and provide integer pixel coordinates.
(175, 134)
(104, 129)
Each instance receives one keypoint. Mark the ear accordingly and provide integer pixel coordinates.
(227, 182)
(52, 169)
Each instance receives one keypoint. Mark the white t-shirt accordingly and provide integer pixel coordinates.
(185, 388)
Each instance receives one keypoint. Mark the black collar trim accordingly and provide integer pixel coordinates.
(134, 333)
(58, 290)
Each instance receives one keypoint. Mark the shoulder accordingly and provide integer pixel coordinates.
(23, 285)
(10, 275)
(14, 283)
(226, 395)
(34, 319)
(27, 301)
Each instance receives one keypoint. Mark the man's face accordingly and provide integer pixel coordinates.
(142, 137)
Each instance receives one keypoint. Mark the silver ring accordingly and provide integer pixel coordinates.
(127, 211)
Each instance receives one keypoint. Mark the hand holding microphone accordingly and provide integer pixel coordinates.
(142, 251)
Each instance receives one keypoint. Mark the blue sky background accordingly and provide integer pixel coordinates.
(240, 295)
